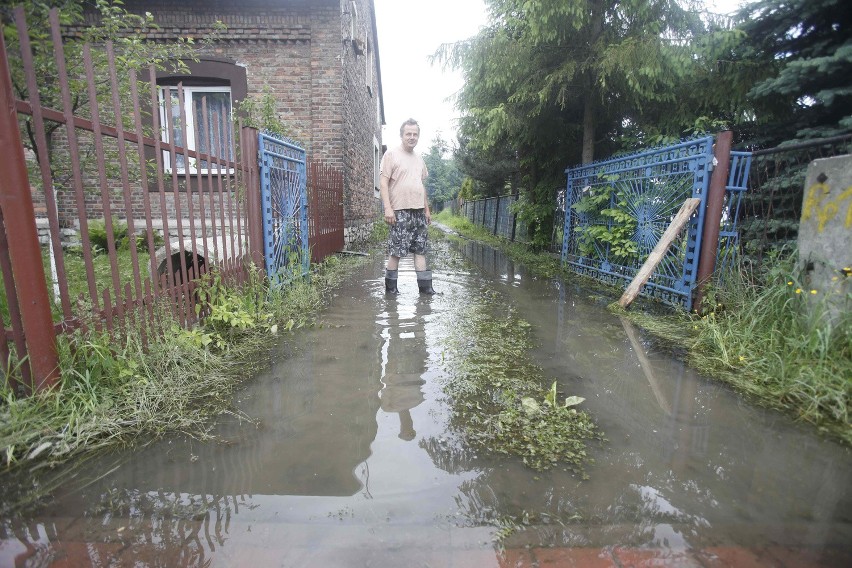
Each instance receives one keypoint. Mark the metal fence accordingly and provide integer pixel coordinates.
(136, 219)
(772, 206)
(617, 210)
(325, 189)
(495, 215)
(108, 208)
(284, 203)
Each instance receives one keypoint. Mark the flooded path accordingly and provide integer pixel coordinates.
(348, 460)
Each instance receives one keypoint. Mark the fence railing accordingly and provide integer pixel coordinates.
(106, 218)
(772, 205)
(494, 214)
(617, 210)
(325, 189)
(113, 160)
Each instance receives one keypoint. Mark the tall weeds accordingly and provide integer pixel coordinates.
(772, 338)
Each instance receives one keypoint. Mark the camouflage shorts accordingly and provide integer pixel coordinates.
(409, 233)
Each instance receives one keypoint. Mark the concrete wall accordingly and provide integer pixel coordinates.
(825, 235)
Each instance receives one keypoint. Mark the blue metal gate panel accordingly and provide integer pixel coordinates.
(729, 234)
(284, 200)
(648, 189)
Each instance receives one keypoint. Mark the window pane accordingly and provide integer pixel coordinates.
(213, 128)
(218, 129)
(177, 133)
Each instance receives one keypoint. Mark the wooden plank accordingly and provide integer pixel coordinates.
(659, 251)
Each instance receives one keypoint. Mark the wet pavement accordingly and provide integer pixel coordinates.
(348, 459)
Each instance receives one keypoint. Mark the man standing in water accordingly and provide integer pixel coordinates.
(406, 209)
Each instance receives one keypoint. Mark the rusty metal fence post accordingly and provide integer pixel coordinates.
(713, 215)
(249, 149)
(24, 249)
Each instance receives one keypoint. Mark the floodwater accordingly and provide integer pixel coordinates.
(348, 459)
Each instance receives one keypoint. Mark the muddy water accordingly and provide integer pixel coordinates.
(347, 459)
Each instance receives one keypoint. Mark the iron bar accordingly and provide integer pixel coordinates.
(210, 184)
(74, 154)
(124, 169)
(199, 179)
(161, 189)
(101, 164)
(143, 179)
(24, 249)
(182, 315)
(56, 257)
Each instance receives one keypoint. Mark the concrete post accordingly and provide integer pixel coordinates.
(825, 235)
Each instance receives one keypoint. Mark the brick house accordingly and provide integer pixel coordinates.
(320, 61)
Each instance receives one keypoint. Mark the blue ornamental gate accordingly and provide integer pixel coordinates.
(618, 209)
(284, 204)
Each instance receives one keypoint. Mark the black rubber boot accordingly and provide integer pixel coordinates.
(424, 281)
(390, 282)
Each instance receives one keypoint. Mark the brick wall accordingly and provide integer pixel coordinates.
(302, 50)
(362, 121)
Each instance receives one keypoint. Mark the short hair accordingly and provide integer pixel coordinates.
(409, 122)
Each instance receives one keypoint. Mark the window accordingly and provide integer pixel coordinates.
(377, 166)
(214, 132)
(370, 60)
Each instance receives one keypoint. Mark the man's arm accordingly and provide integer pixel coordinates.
(426, 195)
(426, 210)
(390, 218)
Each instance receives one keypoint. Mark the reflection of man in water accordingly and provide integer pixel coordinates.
(404, 364)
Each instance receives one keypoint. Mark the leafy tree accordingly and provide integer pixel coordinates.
(805, 50)
(444, 181)
(491, 172)
(558, 81)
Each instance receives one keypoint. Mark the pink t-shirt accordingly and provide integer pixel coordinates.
(405, 172)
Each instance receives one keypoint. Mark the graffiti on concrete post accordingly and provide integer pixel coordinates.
(825, 210)
(824, 253)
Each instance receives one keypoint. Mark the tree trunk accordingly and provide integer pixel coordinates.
(589, 118)
(589, 128)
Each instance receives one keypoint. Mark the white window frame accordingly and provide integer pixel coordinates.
(189, 93)
(377, 168)
(353, 20)
(370, 58)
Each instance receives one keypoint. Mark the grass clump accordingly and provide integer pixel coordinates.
(764, 335)
(499, 399)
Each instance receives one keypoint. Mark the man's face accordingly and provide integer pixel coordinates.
(410, 136)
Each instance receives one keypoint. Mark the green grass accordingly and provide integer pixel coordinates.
(756, 336)
(759, 336)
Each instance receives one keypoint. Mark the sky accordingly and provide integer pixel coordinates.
(409, 32)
